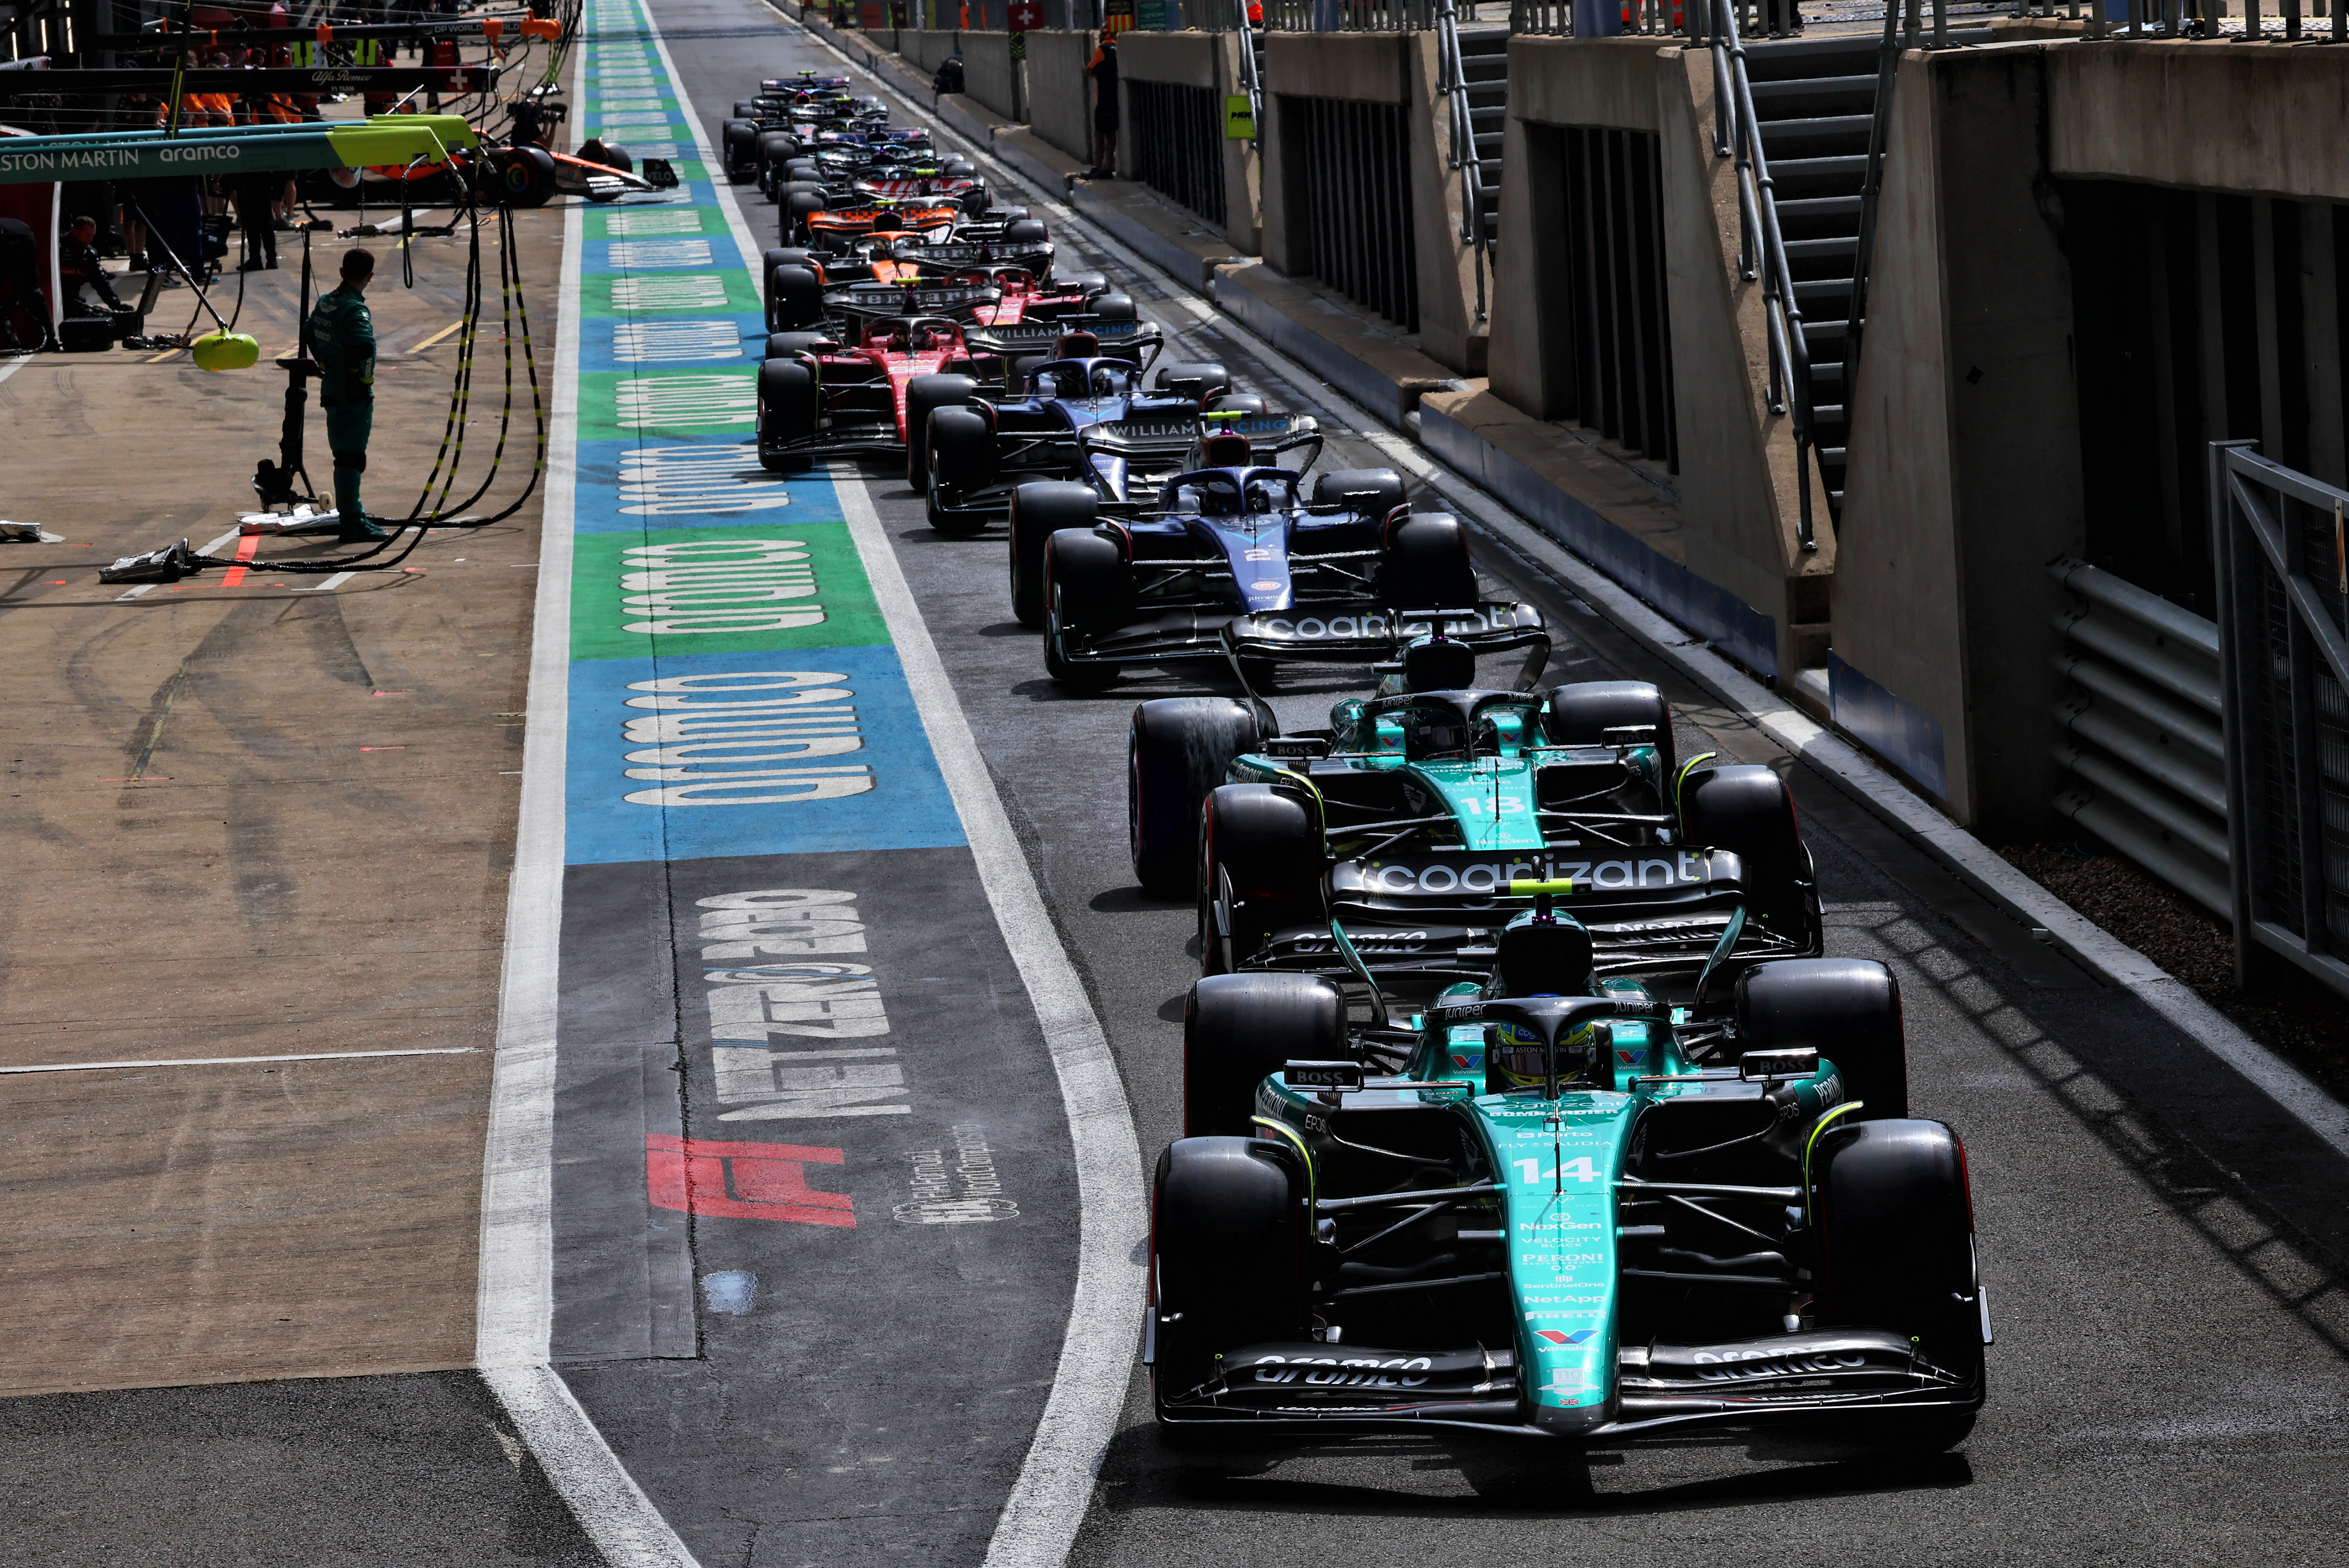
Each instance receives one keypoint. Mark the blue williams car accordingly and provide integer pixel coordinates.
(1232, 556)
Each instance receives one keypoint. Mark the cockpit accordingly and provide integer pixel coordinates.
(1224, 494)
(1082, 378)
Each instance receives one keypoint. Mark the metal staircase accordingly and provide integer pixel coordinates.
(1815, 105)
(1474, 77)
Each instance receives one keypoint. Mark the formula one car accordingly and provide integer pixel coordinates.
(1239, 559)
(1558, 1204)
(1419, 807)
(1046, 426)
(902, 349)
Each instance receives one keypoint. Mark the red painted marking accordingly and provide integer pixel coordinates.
(245, 549)
(53, 582)
(744, 1180)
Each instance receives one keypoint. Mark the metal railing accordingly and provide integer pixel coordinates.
(2283, 549)
(1452, 80)
(2140, 734)
(1251, 77)
(1762, 252)
(1348, 16)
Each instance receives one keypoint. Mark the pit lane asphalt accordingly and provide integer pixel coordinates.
(2163, 1248)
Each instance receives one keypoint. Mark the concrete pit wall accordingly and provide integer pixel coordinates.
(1060, 95)
(989, 75)
(928, 49)
(1734, 570)
(1376, 67)
(1198, 60)
(1965, 458)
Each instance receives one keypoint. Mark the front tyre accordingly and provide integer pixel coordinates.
(1897, 1251)
(1228, 1258)
(787, 412)
(1086, 585)
(1260, 867)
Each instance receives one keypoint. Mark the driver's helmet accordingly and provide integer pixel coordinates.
(1515, 1056)
(1110, 382)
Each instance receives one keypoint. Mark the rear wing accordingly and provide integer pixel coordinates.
(1488, 628)
(1138, 341)
(1266, 434)
(955, 254)
(878, 299)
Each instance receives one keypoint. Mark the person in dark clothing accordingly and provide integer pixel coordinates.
(341, 339)
(1102, 68)
(256, 217)
(79, 268)
(24, 304)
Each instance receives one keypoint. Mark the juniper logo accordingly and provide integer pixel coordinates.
(697, 481)
(634, 225)
(719, 587)
(661, 254)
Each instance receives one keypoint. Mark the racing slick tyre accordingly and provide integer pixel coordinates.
(1370, 493)
(1177, 750)
(1023, 229)
(1087, 284)
(1582, 712)
(1228, 1254)
(806, 171)
(1849, 1009)
(957, 168)
(776, 148)
(1087, 587)
(617, 157)
(787, 345)
(923, 393)
(798, 206)
(787, 410)
(1260, 870)
(1038, 512)
(746, 109)
(1425, 564)
(739, 141)
(1185, 380)
(525, 176)
(1114, 306)
(1748, 809)
(794, 299)
(1235, 403)
(962, 458)
(1238, 1029)
(1897, 1251)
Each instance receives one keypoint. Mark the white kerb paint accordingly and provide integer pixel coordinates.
(514, 1301)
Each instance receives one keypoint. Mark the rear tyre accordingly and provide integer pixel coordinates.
(784, 344)
(1260, 870)
(1235, 403)
(1023, 231)
(1229, 1256)
(1370, 493)
(1749, 810)
(1086, 585)
(787, 411)
(525, 176)
(1847, 1008)
(1185, 380)
(1897, 1251)
(798, 207)
(1581, 714)
(794, 299)
(738, 139)
(962, 458)
(1426, 565)
(1239, 1029)
(1117, 308)
(1177, 750)
(1038, 512)
(923, 393)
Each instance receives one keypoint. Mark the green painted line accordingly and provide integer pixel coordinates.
(776, 584)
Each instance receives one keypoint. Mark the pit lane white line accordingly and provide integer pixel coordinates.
(1843, 763)
(1048, 1501)
(237, 1061)
(514, 1296)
